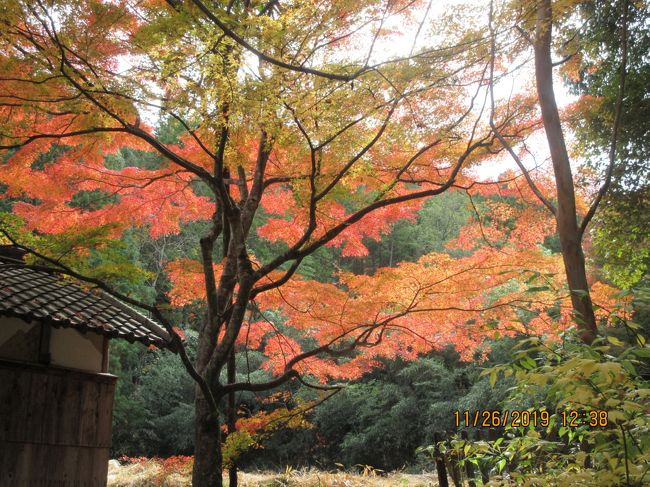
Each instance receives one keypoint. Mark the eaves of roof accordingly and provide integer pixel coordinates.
(32, 294)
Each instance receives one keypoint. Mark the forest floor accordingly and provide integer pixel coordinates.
(149, 474)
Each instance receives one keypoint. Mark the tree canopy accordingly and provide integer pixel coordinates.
(265, 134)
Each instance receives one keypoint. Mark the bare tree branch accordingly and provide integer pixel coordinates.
(495, 129)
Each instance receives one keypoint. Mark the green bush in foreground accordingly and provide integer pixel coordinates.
(564, 376)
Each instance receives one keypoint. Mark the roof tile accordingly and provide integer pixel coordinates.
(30, 293)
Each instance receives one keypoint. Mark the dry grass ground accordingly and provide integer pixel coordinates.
(149, 475)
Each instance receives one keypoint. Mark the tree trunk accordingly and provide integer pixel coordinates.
(208, 461)
(567, 225)
(232, 416)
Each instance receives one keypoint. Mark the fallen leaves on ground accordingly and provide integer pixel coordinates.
(148, 474)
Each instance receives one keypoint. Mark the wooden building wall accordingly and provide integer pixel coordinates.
(55, 426)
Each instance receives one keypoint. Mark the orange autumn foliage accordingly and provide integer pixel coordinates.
(416, 307)
(333, 163)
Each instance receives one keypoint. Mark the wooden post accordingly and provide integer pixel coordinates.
(454, 470)
(469, 467)
(44, 356)
(485, 476)
(584, 446)
(105, 355)
(492, 434)
(440, 463)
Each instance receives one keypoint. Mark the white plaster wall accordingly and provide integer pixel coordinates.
(71, 349)
(68, 347)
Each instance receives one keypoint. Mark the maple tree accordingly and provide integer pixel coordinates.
(285, 110)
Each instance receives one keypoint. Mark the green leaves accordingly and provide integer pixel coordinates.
(599, 430)
(615, 341)
(236, 444)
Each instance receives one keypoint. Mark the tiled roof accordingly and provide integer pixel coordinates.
(38, 295)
